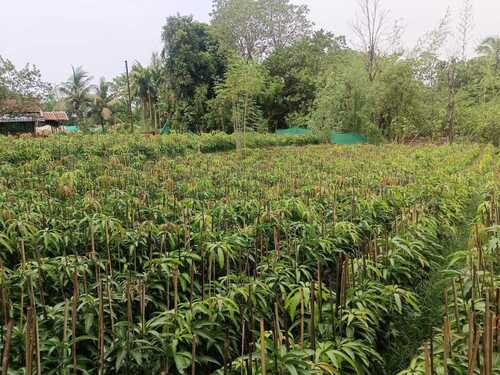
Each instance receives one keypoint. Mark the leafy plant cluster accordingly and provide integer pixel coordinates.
(116, 257)
(143, 148)
(261, 65)
(468, 341)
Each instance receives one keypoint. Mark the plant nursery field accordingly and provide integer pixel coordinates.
(128, 255)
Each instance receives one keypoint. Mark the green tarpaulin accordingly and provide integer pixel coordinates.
(72, 128)
(335, 138)
(347, 138)
(294, 131)
(166, 128)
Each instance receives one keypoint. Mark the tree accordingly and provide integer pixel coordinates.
(193, 64)
(399, 101)
(254, 28)
(490, 49)
(3, 87)
(243, 82)
(102, 102)
(369, 29)
(284, 23)
(345, 102)
(465, 28)
(143, 88)
(77, 91)
(191, 55)
(26, 82)
(294, 73)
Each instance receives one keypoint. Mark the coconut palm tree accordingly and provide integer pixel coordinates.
(141, 86)
(77, 91)
(102, 102)
(146, 81)
(490, 48)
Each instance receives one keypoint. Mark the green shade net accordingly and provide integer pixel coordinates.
(166, 128)
(293, 131)
(335, 138)
(347, 138)
(72, 128)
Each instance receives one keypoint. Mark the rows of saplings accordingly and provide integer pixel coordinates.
(468, 342)
(279, 261)
(26, 149)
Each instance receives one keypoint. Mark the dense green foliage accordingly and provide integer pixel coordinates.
(261, 65)
(120, 253)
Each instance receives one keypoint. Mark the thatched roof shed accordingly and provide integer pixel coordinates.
(24, 115)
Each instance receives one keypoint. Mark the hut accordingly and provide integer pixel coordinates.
(52, 122)
(24, 115)
(19, 115)
(55, 119)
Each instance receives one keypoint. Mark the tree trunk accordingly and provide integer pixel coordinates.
(451, 101)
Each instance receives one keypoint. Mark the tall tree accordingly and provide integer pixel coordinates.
(490, 48)
(254, 28)
(294, 72)
(26, 82)
(142, 88)
(243, 82)
(284, 23)
(102, 102)
(193, 65)
(465, 28)
(77, 91)
(369, 29)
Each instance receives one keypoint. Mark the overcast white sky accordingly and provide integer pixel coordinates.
(101, 34)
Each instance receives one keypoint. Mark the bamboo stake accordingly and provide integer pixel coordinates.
(262, 348)
(176, 292)
(7, 345)
(455, 305)
(110, 304)
(488, 339)
(497, 313)
(470, 345)
(243, 337)
(101, 329)
(142, 302)
(302, 318)
(320, 298)
(446, 349)
(65, 329)
(37, 344)
(29, 343)
(472, 360)
(73, 319)
(226, 346)
(313, 318)
(432, 352)
(277, 241)
(427, 360)
(193, 355)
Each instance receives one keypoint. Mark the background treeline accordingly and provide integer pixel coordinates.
(261, 65)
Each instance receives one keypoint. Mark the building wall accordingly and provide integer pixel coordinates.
(12, 128)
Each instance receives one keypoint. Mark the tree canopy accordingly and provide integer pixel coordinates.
(261, 65)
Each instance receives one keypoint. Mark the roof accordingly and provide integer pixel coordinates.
(20, 106)
(15, 120)
(55, 116)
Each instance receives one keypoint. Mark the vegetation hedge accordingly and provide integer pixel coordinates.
(24, 149)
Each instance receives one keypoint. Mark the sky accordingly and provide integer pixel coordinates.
(101, 34)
